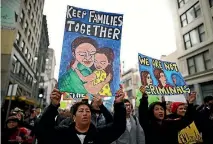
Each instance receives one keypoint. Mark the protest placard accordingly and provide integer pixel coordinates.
(90, 56)
(161, 77)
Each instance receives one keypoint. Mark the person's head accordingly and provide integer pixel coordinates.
(82, 114)
(178, 108)
(168, 106)
(156, 111)
(67, 113)
(128, 106)
(38, 110)
(177, 80)
(33, 113)
(160, 76)
(94, 105)
(208, 101)
(83, 50)
(146, 78)
(12, 122)
(104, 60)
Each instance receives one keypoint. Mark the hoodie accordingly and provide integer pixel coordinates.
(167, 131)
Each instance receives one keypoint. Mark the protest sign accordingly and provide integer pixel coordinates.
(189, 135)
(161, 77)
(90, 56)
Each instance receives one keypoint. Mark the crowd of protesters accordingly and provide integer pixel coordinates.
(157, 123)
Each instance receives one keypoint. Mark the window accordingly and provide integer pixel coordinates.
(26, 51)
(29, 34)
(211, 3)
(22, 45)
(31, 17)
(14, 62)
(191, 66)
(18, 37)
(128, 83)
(129, 93)
(199, 63)
(194, 37)
(207, 60)
(28, 8)
(190, 15)
(26, 26)
(22, 18)
(28, 56)
(181, 3)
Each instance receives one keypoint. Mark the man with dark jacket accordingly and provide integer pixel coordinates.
(204, 120)
(82, 130)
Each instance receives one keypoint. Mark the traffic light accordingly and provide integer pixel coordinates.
(41, 92)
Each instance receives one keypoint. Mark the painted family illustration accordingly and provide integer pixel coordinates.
(161, 78)
(90, 70)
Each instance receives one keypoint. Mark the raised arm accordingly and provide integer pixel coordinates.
(114, 130)
(188, 118)
(143, 110)
(46, 125)
(107, 115)
(88, 78)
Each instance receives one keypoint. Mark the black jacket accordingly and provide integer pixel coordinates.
(204, 123)
(48, 133)
(165, 133)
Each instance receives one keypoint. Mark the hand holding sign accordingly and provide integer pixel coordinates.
(98, 100)
(143, 89)
(119, 95)
(55, 97)
(192, 97)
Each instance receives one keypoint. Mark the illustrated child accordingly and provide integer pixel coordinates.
(103, 71)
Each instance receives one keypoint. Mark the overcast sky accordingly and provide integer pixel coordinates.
(147, 26)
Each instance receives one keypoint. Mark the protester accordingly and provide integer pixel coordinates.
(157, 129)
(134, 133)
(190, 134)
(31, 120)
(100, 116)
(82, 130)
(68, 120)
(14, 133)
(204, 120)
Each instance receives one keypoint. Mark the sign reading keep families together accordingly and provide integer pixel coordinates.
(90, 57)
(161, 77)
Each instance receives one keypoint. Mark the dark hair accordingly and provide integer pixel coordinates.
(151, 109)
(207, 99)
(126, 101)
(144, 75)
(157, 72)
(78, 41)
(108, 52)
(78, 104)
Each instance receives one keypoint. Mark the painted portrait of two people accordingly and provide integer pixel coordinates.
(90, 69)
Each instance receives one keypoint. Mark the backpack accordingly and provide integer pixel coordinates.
(135, 119)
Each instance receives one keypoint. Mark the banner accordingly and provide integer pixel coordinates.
(189, 135)
(161, 77)
(90, 58)
(8, 10)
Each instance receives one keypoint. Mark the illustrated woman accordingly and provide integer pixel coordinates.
(83, 55)
(161, 78)
(103, 71)
(146, 78)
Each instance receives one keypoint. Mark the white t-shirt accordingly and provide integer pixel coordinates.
(81, 137)
(128, 124)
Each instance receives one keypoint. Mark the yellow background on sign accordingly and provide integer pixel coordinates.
(189, 135)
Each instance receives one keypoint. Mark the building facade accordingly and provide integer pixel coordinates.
(130, 80)
(19, 65)
(50, 81)
(193, 22)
